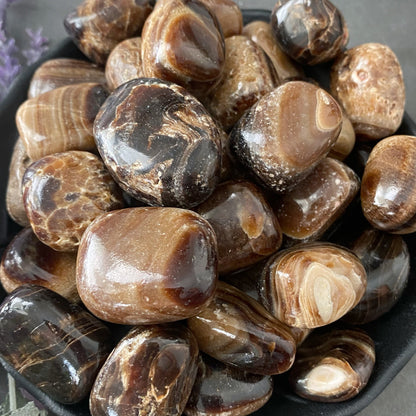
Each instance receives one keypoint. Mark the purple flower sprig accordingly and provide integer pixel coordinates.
(10, 65)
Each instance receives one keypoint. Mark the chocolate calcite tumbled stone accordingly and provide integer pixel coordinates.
(239, 331)
(14, 194)
(64, 192)
(311, 32)
(388, 188)
(245, 223)
(286, 133)
(150, 372)
(60, 120)
(248, 75)
(333, 366)
(28, 261)
(367, 81)
(183, 43)
(124, 63)
(312, 284)
(147, 265)
(58, 72)
(386, 259)
(221, 390)
(56, 345)
(97, 26)
(159, 143)
(308, 210)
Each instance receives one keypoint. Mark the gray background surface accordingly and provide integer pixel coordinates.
(386, 21)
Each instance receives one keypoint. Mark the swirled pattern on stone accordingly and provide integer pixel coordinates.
(312, 284)
(56, 345)
(159, 142)
(333, 366)
(311, 32)
(150, 372)
(239, 331)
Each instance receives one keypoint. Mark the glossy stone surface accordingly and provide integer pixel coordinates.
(58, 72)
(97, 26)
(286, 133)
(159, 143)
(60, 120)
(312, 284)
(333, 366)
(345, 142)
(311, 32)
(124, 62)
(150, 372)
(64, 192)
(387, 262)
(56, 345)
(221, 390)
(388, 189)
(238, 331)
(147, 265)
(183, 43)
(261, 33)
(367, 81)
(310, 208)
(247, 76)
(245, 224)
(228, 14)
(28, 261)
(14, 193)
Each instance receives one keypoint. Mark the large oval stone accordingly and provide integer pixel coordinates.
(147, 265)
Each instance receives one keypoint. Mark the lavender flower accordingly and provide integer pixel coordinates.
(37, 47)
(10, 65)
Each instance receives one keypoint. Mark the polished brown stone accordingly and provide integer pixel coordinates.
(388, 189)
(312, 284)
(239, 331)
(183, 43)
(367, 81)
(247, 76)
(97, 26)
(124, 63)
(244, 222)
(286, 133)
(309, 209)
(345, 142)
(28, 261)
(64, 192)
(58, 72)
(61, 119)
(221, 390)
(150, 372)
(386, 260)
(311, 32)
(147, 265)
(57, 346)
(333, 366)
(160, 143)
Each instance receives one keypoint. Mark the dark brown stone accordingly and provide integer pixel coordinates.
(56, 345)
(150, 372)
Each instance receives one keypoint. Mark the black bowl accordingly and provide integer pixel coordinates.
(394, 334)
